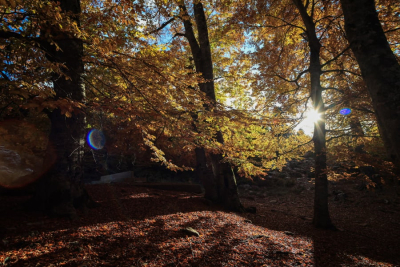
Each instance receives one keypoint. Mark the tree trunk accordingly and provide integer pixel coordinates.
(379, 68)
(321, 211)
(205, 175)
(222, 189)
(60, 191)
(356, 127)
(357, 132)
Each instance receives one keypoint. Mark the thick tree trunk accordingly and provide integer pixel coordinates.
(226, 180)
(321, 211)
(379, 68)
(205, 175)
(222, 188)
(60, 191)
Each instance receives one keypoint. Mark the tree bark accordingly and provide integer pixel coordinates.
(379, 68)
(222, 188)
(60, 191)
(205, 175)
(356, 127)
(321, 210)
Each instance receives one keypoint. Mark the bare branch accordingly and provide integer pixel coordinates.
(267, 26)
(332, 88)
(365, 110)
(179, 34)
(287, 23)
(348, 71)
(295, 80)
(165, 24)
(7, 34)
(5, 76)
(348, 135)
(393, 30)
(336, 57)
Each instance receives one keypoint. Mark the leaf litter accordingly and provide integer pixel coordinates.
(137, 226)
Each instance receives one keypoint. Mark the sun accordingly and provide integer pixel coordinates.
(312, 116)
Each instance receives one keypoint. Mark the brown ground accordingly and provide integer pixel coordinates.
(138, 226)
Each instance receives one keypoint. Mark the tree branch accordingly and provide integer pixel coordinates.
(179, 34)
(295, 80)
(165, 24)
(393, 30)
(5, 76)
(287, 23)
(336, 57)
(124, 76)
(7, 34)
(332, 88)
(297, 147)
(351, 72)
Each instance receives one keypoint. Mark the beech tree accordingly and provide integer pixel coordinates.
(219, 182)
(159, 74)
(379, 67)
(59, 191)
(283, 34)
(235, 74)
(321, 210)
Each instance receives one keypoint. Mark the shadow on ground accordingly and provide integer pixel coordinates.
(137, 226)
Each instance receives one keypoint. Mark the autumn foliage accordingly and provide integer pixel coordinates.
(221, 88)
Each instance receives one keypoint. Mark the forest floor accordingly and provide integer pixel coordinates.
(138, 226)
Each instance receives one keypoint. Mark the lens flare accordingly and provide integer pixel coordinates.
(96, 139)
(345, 111)
(313, 116)
(19, 164)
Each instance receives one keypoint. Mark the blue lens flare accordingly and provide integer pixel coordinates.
(345, 111)
(96, 139)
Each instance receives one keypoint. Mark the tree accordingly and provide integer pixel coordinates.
(296, 52)
(150, 88)
(67, 134)
(222, 188)
(379, 67)
(142, 83)
(60, 191)
(321, 210)
(24, 66)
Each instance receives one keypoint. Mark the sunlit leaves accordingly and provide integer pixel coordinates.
(143, 83)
